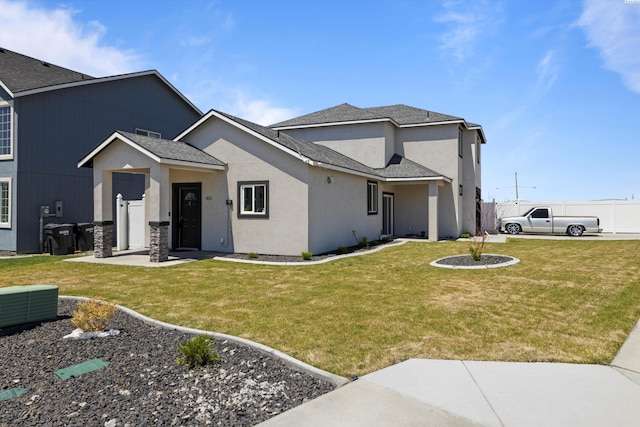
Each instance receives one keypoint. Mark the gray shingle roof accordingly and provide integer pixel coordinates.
(315, 152)
(172, 150)
(399, 167)
(401, 114)
(21, 73)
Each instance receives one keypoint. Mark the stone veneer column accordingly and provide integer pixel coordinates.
(103, 239)
(158, 241)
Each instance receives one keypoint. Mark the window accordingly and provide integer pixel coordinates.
(478, 145)
(5, 132)
(459, 142)
(5, 202)
(540, 213)
(372, 197)
(148, 133)
(254, 199)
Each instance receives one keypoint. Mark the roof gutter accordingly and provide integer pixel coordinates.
(343, 170)
(430, 178)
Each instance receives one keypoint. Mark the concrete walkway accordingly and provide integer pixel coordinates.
(421, 392)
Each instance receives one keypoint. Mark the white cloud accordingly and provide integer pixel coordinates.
(613, 27)
(259, 110)
(210, 93)
(55, 36)
(547, 71)
(59, 37)
(469, 22)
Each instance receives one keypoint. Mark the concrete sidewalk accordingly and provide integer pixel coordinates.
(422, 392)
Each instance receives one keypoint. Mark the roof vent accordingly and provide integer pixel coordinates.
(46, 64)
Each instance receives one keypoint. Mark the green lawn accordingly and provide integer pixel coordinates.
(566, 301)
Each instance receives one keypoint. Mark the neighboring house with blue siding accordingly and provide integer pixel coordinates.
(50, 116)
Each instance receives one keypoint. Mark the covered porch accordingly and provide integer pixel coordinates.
(417, 208)
(162, 162)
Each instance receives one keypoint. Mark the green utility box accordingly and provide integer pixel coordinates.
(24, 304)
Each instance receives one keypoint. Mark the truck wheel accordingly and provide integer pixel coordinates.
(575, 230)
(512, 228)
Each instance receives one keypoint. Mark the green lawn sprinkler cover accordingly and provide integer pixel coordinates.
(81, 368)
(12, 392)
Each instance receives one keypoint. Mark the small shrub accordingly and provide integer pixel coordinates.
(196, 352)
(342, 250)
(477, 245)
(364, 242)
(306, 256)
(374, 243)
(385, 239)
(476, 253)
(253, 255)
(93, 315)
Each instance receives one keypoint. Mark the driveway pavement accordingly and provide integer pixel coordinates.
(453, 393)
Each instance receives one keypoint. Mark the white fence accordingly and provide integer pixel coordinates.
(130, 223)
(616, 216)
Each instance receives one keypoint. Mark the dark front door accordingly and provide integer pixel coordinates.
(187, 208)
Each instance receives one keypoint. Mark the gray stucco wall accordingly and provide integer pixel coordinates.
(436, 147)
(285, 231)
(337, 209)
(411, 209)
(369, 144)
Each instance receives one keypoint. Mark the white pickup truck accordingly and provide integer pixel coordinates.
(541, 220)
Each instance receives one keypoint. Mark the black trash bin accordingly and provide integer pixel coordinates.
(84, 236)
(59, 238)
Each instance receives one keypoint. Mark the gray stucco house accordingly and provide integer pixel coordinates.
(50, 116)
(312, 184)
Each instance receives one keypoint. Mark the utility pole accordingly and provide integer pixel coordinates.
(517, 191)
(517, 198)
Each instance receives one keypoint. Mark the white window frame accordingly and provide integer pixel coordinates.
(253, 212)
(10, 155)
(149, 133)
(7, 223)
(372, 198)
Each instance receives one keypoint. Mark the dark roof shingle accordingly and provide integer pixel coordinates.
(401, 114)
(172, 150)
(398, 166)
(20, 73)
(315, 152)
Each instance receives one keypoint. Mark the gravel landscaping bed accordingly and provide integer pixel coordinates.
(142, 385)
(467, 261)
(298, 259)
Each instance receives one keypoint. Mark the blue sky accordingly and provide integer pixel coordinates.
(555, 84)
